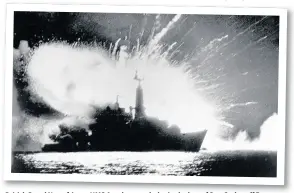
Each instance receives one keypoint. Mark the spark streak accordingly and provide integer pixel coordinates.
(162, 33)
(241, 33)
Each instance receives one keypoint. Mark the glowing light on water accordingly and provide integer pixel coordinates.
(152, 163)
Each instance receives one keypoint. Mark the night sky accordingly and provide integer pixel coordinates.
(237, 56)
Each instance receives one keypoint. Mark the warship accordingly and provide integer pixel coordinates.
(114, 129)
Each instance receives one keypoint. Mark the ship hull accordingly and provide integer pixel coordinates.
(188, 142)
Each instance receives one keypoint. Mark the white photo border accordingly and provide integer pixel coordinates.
(8, 176)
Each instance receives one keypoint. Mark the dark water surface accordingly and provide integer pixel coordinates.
(204, 163)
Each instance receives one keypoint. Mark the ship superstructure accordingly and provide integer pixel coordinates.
(117, 130)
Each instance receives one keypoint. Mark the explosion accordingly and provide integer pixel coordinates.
(74, 78)
(84, 78)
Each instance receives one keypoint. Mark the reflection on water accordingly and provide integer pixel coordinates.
(229, 163)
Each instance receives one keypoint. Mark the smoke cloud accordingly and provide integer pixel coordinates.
(30, 133)
(267, 139)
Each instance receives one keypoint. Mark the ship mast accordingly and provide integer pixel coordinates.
(139, 108)
(116, 103)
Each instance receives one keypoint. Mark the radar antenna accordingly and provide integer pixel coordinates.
(137, 78)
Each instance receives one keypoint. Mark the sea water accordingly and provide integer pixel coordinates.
(203, 163)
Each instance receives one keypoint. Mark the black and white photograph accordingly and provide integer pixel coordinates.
(136, 95)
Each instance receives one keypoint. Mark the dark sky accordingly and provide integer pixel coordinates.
(238, 53)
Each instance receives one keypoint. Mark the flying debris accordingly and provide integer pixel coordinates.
(115, 129)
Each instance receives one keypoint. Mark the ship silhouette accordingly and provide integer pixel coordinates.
(114, 129)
